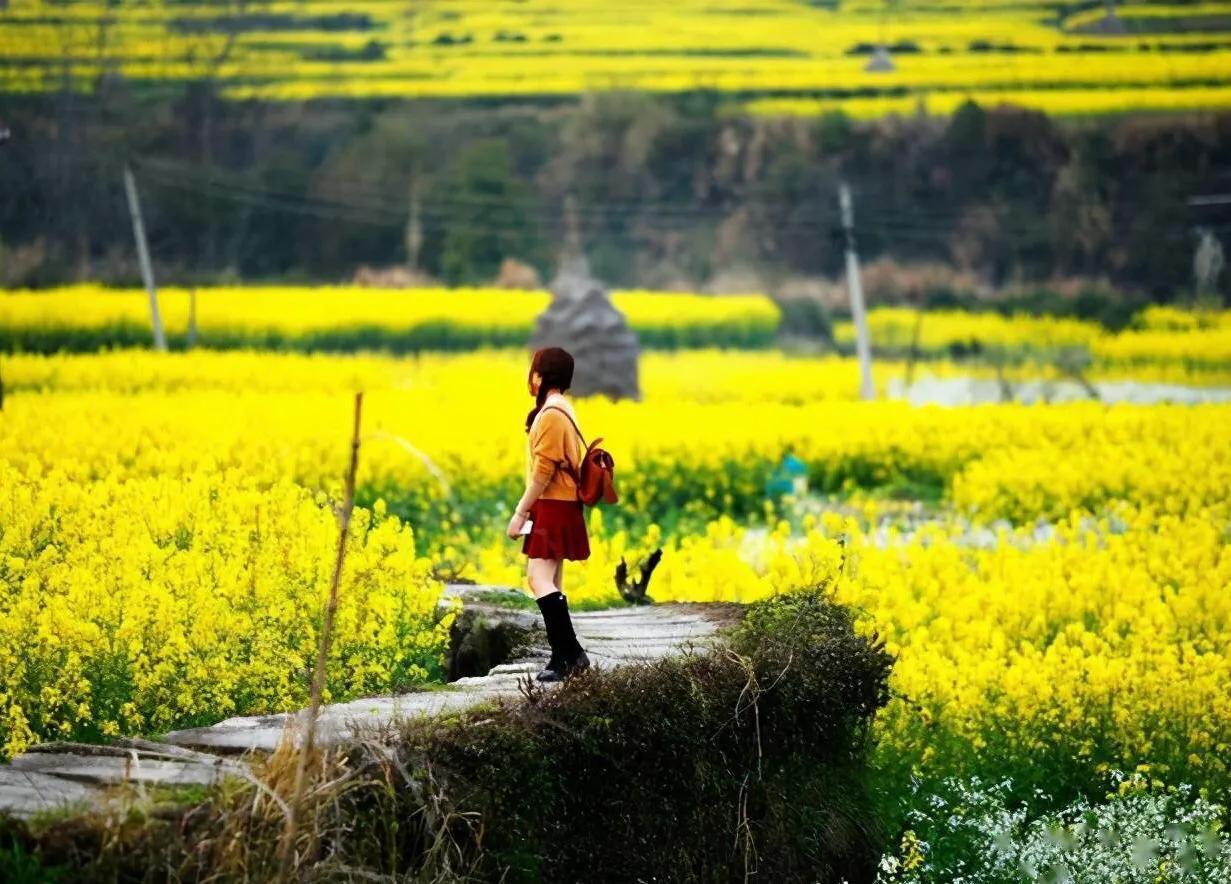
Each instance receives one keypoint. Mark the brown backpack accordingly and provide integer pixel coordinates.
(597, 480)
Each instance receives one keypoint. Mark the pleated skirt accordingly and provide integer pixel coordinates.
(558, 532)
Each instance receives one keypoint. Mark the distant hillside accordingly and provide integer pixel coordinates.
(770, 56)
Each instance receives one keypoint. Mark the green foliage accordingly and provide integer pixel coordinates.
(830, 691)
(309, 191)
(807, 317)
(1114, 310)
(17, 866)
(974, 830)
(425, 337)
(643, 771)
(489, 215)
(701, 768)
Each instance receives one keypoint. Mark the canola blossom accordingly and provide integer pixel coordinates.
(1160, 317)
(446, 431)
(1104, 644)
(1167, 344)
(140, 605)
(90, 317)
(803, 57)
(165, 535)
(446, 441)
(895, 328)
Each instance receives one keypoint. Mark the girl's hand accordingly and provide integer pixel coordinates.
(515, 524)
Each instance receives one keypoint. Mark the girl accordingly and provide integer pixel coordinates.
(552, 505)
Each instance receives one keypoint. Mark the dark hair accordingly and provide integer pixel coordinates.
(555, 364)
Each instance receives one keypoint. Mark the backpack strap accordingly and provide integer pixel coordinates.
(570, 420)
(568, 466)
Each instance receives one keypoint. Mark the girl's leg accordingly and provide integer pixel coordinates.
(541, 576)
(567, 654)
(576, 651)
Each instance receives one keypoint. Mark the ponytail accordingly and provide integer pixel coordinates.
(555, 364)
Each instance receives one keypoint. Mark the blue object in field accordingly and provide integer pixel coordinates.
(791, 477)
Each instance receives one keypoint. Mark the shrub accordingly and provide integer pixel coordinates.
(699, 768)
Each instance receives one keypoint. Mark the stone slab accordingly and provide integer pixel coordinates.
(112, 770)
(25, 793)
(62, 776)
(615, 636)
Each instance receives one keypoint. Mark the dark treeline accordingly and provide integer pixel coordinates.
(669, 190)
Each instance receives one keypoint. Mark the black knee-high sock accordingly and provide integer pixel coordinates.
(568, 638)
(559, 625)
(549, 608)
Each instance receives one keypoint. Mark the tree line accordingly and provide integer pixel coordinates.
(669, 191)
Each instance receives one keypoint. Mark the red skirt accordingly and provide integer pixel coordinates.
(558, 532)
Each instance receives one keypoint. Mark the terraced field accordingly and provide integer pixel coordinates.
(770, 56)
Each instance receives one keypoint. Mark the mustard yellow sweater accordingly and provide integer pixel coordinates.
(552, 440)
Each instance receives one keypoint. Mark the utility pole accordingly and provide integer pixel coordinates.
(192, 317)
(4, 136)
(854, 287)
(414, 227)
(143, 256)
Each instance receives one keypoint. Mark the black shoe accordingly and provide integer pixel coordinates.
(549, 607)
(567, 654)
(565, 670)
(548, 675)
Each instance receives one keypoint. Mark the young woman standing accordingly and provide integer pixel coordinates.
(552, 505)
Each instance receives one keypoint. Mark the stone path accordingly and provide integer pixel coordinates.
(54, 776)
(965, 390)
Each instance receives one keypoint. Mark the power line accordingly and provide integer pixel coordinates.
(361, 187)
(657, 214)
(920, 228)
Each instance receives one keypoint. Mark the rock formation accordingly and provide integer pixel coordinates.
(582, 320)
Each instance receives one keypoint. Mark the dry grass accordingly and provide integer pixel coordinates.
(709, 767)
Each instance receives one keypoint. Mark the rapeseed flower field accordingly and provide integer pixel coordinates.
(1168, 344)
(772, 56)
(1164, 343)
(1059, 608)
(87, 317)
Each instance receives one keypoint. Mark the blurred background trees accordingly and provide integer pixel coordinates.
(670, 192)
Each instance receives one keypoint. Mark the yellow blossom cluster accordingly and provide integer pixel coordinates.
(1107, 643)
(1023, 464)
(1197, 349)
(1101, 642)
(1165, 344)
(1194, 342)
(447, 431)
(137, 605)
(1024, 51)
(88, 317)
(164, 541)
(895, 328)
(1161, 317)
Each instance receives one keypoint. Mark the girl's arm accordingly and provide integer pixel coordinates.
(546, 449)
(533, 489)
(522, 511)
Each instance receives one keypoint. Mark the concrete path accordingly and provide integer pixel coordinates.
(59, 776)
(965, 390)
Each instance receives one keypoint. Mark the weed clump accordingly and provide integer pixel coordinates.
(712, 766)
